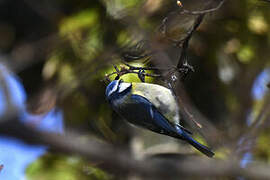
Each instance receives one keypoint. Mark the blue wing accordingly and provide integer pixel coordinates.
(155, 121)
(153, 118)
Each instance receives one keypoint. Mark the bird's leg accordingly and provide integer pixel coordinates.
(141, 75)
(184, 70)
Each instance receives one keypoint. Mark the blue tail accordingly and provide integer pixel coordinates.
(205, 150)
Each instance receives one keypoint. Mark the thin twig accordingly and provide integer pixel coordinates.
(183, 54)
(185, 11)
(139, 68)
(129, 69)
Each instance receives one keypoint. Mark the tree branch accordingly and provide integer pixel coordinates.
(121, 161)
(185, 11)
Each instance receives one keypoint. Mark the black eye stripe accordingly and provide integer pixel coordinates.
(118, 84)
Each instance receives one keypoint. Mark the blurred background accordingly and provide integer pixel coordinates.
(54, 56)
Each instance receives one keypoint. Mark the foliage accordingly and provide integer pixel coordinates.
(67, 47)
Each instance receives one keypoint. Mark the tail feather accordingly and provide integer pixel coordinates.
(205, 150)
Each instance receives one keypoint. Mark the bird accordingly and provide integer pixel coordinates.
(150, 106)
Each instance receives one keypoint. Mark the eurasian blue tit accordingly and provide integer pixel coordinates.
(150, 106)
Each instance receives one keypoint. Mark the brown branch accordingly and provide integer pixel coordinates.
(120, 161)
(185, 42)
(185, 11)
(129, 69)
(198, 21)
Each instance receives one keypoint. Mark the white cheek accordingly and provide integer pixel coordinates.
(123, 86)
(113, 90)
